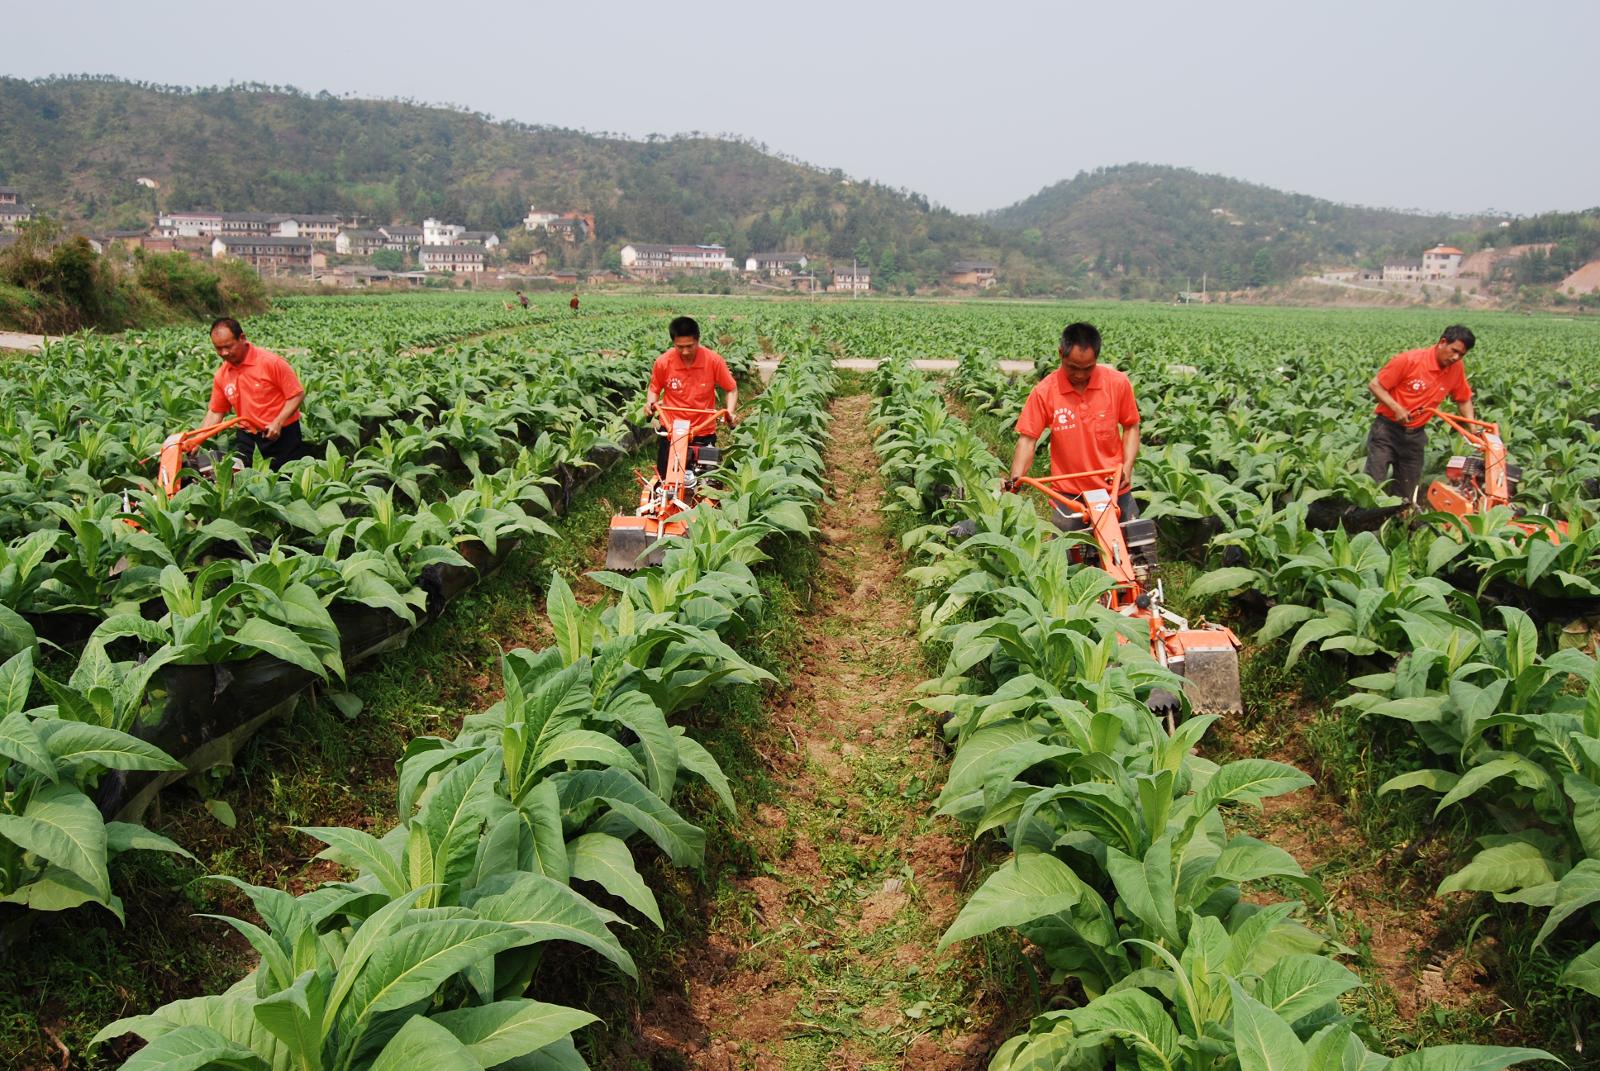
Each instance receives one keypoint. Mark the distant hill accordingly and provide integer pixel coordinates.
(75, 146)
(1141, 221)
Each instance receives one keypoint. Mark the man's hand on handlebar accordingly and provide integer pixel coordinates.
(1010, 484)
(733, 418)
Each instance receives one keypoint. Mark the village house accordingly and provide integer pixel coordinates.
(436, 232)
(359, 243)
(571, 229)
(1402, 271)
(13, 214)
(776, 265)
(253, 224)
(487, 239)
(268, 254)
(401, 236)
(855, 280)
(316, 228)
(656, 260)
(9, 195)
(536, 219)
(189, 224)
(971, 273)
(451, 258)
(1441, 262)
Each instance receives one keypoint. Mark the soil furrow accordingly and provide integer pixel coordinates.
(823, 955)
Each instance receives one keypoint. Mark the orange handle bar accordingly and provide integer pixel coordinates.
(1464, 426)
(708, 417)
(1043, 485)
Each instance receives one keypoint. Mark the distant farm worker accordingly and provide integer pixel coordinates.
(522, 299)
(687, 377)
(574, 303)
(262, 388)
(1407, 387)
(1093, 421)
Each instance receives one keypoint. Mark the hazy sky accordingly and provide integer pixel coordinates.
(1450, 106)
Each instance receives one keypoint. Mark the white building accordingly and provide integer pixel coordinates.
(1402, 271)
(189, 224)
(781, 265)
(487, 239)
(316, 228)
(851, 280)
(358, 242)
(643, 259)
(536, 218)
(1441, 262)
(12, 215)
(401, 236)
(435, 232)
(451, 258)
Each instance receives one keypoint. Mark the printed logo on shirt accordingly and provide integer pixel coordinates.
(674, 383)
(1415, 386)
(228, 390)
(1065, 418)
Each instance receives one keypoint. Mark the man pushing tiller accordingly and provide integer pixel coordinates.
(683, 393)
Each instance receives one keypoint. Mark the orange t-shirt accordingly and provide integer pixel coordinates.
(1084, 426)
(693, 385)
(1416, 381)
(255, 388)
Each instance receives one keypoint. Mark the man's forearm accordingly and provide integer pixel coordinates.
(1467, 410)
(732, 399)
(1022, 458)
(1387, 400)
(1130, 453)
(214, 417)
(290, 408)
(650, 396)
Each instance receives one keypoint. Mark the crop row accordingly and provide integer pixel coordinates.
(1122, 871)
(426, 957)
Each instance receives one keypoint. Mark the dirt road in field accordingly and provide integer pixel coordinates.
(821, 955)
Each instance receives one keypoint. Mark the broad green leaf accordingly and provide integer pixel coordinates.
(413, 962)
(75, 741)
(277, 641)
(1026, 888)
(607, 862)
(495, 1033)
(1262, 1040)
(63, 825)
(1298, 985)
(1248, 780)
(546, 910)
(1501, 868)
(423, 1043)
(1467, 1058)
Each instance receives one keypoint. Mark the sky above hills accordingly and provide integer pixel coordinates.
(1458, 107)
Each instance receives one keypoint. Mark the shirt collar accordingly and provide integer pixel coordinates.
(1097, 380)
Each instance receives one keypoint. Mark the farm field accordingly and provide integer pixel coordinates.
(831, 787)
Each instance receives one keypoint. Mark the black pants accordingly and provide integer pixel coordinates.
(1393, 446)
(1071, 521)
(287, 447)
(664, 447)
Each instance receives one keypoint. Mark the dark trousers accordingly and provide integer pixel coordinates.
(288, 446)
(1393, 446)
(1069, 521)
(664, 447)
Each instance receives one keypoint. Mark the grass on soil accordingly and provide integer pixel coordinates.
(814, 945)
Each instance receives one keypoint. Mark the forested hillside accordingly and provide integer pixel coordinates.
(1139, 221)
(76, 146)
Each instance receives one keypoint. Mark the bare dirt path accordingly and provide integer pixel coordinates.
(822, 954)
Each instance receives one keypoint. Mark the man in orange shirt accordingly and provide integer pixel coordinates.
(687, 376)
(1409, 385)
(262, 388)
(1093, 420)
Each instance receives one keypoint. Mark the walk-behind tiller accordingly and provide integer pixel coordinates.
(635, 540)
(1206, 656)
(1479, 484)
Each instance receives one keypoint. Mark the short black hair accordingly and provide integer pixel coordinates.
(230, 323)
(1458, 333)
(684, 327)
(1083, 335)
